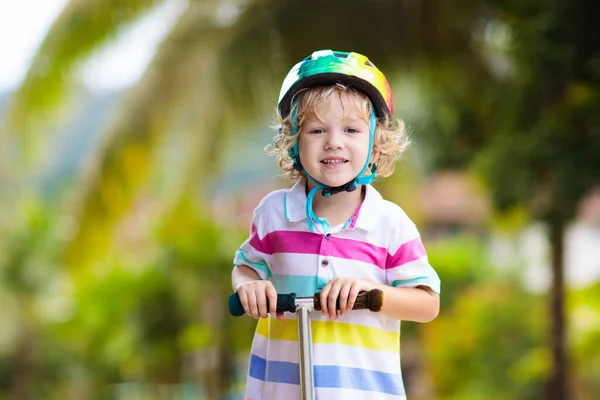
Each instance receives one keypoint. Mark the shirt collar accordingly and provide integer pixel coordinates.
(294, 202)
(295, 206)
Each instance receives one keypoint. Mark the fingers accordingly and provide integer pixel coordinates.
(329, 296)
(258, 298)
(244, 300)
(272, 298)
(354, 291)
(252, 304)
(344, 299)
(261, 298)
(342, 291)
(332, 300)
(323, 299)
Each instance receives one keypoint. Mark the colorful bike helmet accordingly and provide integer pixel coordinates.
(327, 67)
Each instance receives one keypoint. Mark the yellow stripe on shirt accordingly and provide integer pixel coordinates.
(332, 332)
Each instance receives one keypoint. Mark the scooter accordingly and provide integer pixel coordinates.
(371, 300)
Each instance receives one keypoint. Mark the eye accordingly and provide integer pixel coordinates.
(352, 130)
(316, 131)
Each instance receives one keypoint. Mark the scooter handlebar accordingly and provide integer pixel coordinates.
(371, 300)
(285, 302)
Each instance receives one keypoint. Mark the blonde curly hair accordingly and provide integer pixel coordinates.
(391, 138)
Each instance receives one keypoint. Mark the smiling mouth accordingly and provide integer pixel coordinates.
(334, 162)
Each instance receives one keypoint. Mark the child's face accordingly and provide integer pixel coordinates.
(334, 148)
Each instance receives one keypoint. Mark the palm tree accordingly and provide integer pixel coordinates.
(220, 76)
(216, 74)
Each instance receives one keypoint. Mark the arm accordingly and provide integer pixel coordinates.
(411, 289)
(250, 275)
(418, 304)
(254, 292)
(242, 274)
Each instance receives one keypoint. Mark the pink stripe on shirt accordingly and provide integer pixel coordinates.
(356, 250)
(286, 242)
(407, 252)
(317, 243)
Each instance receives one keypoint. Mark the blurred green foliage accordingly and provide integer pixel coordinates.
(489, 343)
(114, 286)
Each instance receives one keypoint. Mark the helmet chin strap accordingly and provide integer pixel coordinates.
(328, 190)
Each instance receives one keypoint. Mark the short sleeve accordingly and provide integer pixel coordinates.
(407, 264)
(250, 253)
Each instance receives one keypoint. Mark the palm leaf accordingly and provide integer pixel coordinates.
(181, 69)
(223, 80)
(79, 30)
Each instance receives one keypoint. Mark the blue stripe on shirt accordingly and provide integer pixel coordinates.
(274, 371)
(259, 265)
(301, 285)
(328, 376)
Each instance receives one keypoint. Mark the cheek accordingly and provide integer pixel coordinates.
(305, 150)
(307, 145)
(301, 146)
(362, 146)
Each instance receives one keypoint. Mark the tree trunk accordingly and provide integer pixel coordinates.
(557, 386)
(24, 361)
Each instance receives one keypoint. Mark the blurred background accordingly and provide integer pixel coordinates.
(131, 137)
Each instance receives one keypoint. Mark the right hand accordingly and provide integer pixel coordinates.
(254, 296)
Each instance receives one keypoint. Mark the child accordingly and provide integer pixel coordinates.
(333, 232)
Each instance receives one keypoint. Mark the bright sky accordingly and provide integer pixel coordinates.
(24, 23)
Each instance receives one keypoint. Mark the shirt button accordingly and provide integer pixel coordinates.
(328, 236)
(324, 263)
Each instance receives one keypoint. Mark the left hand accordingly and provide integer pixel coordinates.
(346, 289)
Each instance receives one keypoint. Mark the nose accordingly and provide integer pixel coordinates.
(334, 140)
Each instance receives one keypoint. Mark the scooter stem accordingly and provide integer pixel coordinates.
(305, 351)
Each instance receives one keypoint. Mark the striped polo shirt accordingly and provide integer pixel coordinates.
(356, 356)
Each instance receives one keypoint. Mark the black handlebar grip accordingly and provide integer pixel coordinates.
(371, 300)
(285, 302)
